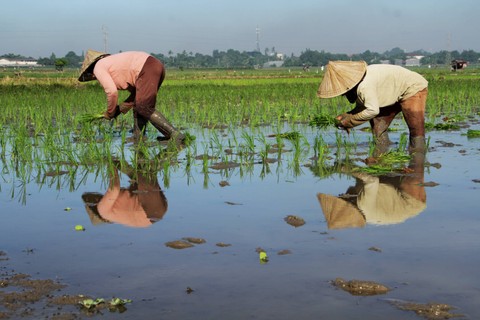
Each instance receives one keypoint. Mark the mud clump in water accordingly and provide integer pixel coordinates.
(195, 240)
(294, 221)
(179, 244)
(430, 311)
(360, 287)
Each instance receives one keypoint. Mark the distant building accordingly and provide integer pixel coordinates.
(412, 62)
(273, 64)
(18, 63)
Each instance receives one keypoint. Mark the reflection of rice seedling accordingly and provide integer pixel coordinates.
(89, 117)
(323, 121)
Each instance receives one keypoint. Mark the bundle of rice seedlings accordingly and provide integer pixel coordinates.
(323, 121)
(89, 117)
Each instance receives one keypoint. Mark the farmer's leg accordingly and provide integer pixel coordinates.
(139, 126)
(148, 83)
(380, 126)
(413, 110)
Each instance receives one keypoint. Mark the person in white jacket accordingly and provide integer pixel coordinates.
(379, 92)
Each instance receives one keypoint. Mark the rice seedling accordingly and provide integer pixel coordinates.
(323, 121)
(90, 117)
(51, 124)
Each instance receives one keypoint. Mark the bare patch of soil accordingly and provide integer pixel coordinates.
(430, 311)
(360, 287)
(294, 221)
(24, 297)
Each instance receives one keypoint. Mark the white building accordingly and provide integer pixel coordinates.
(17, 63)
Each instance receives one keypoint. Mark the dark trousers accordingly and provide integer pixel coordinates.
(144, 95)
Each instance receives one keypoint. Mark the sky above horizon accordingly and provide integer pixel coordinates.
(39, 28)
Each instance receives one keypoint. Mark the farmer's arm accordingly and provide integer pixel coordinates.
(110, 88)
(367, 107)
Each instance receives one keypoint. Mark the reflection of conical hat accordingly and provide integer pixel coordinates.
(91, 199)
(340, 77)
(340, 213)
(91, 57)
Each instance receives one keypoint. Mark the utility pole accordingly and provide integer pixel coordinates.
(448, 56)
(257, 31)
(105, 38)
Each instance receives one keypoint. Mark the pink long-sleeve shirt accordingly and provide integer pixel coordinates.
(119, 72)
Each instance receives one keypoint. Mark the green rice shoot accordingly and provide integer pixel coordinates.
(89, 117)
(323, 121)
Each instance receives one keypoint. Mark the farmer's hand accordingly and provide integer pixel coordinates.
(347, 121)
(109, 116)
(344, 121)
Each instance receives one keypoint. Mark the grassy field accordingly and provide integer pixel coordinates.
(40, 112)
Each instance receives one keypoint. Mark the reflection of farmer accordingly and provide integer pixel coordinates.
(140, 74)
(380, 93)
(140, 205)
(377, 200)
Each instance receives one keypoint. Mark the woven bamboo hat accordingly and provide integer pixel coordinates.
(91, 57)
(340, 213)
(340, 77)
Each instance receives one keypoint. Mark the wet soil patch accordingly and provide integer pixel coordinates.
(430, 311)
(24, 297)
(294, 221)
(361, 287)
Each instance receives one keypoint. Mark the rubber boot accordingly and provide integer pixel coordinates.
(159, 121)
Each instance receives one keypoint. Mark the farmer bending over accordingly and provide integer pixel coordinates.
(140, 74)
(380, 93)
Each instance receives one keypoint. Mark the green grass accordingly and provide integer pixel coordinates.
(45, 120)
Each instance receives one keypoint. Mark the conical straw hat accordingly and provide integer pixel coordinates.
(91, 57)
(340, 77)
(340, 213)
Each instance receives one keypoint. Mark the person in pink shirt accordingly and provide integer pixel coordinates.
(140, 205)
(141, 75)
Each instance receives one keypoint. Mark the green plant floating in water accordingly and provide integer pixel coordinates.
(119, 302)
(387, 162)
(114, 302)
(91, 303)
(323, 121)
(473, 133)
(441, 126)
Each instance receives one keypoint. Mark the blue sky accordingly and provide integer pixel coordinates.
(38, 28)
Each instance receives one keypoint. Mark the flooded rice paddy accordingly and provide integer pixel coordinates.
(276, 238)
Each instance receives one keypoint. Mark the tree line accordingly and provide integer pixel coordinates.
(252, 59)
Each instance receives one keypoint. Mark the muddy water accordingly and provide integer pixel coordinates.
(425, 252)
